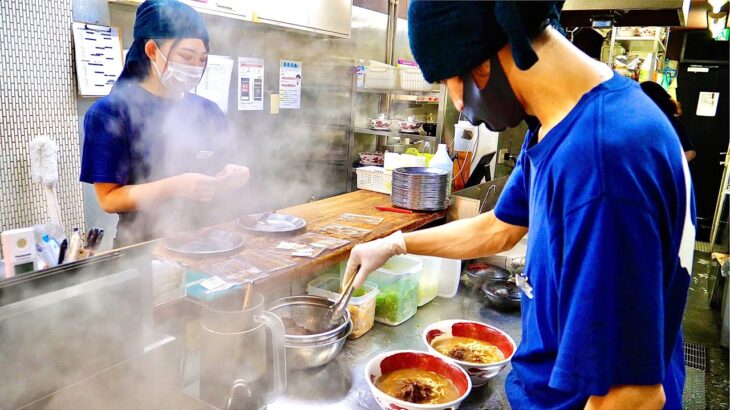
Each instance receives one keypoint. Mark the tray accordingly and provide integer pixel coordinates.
(273, 224)
(206, 243)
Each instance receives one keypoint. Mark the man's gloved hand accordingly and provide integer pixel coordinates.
(372, 255)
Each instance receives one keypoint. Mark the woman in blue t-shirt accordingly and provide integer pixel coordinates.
(153, 151)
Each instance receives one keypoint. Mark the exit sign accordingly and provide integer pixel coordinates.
(723, 35)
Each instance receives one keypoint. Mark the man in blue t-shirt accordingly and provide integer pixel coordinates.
(604, 189)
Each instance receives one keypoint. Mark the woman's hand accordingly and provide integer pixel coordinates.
(234, 176)
(196, 187)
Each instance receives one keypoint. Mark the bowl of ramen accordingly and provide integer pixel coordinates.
(482, 350)
(413, 380)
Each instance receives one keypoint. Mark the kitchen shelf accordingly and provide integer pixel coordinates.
(393, 134)
(661, 45)
(398, 92)
(388, 99)
(658, 51)
(635, 38)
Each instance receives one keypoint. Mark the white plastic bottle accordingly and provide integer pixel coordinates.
(442, 160)
(360, 73)
(74, 246)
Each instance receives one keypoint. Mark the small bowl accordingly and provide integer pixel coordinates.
(430, 128)
(413, 359)
(410, 126)
(477, 274)
(371, 158)
(479, 373)
(502, 294)
(381, 123)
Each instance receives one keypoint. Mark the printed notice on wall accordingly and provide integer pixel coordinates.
(250, 84)
(216, 81)
(707, 104)
(290, 84)
(98, 58)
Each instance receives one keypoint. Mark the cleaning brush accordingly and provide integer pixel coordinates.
(44, 170)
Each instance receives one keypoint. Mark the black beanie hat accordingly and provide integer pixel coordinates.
(448, 38)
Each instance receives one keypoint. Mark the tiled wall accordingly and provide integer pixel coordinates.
(37, 96)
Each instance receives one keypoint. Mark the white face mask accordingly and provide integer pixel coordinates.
(179, 78)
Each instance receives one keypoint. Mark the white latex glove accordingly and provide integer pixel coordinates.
(371, 255)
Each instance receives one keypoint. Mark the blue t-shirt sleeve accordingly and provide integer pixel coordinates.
(105, 156)
(513, 204)
(610, 291)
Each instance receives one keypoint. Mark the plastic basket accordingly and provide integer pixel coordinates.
(381, 76)
(411, 79)
(374, 179)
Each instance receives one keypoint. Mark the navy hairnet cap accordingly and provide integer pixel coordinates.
(160, 19)
(449, 38)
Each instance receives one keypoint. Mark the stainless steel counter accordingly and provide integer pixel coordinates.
(341, 383)
(134, 355)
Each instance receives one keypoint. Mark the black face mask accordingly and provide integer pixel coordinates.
(496, 105)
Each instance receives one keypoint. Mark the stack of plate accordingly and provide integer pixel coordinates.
(420, 189)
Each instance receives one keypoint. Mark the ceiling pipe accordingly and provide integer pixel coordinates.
(390, 48)
(391, 31)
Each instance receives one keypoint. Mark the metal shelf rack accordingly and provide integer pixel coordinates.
(659, 40)
(388, 98)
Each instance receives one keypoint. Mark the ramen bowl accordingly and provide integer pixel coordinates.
(412, 359)
(479, 373)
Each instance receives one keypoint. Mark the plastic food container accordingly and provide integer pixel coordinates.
(440, 277)
(398, 283)
(380, 75)
(361, 306)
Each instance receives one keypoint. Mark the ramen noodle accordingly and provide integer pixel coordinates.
(418, 386)
(468, 350)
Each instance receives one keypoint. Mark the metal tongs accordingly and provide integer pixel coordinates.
(335, 312)
(251, 221)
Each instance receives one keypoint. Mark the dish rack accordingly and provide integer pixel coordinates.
(374, 179)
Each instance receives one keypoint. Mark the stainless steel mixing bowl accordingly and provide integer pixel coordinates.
(314, 354)
(308, 312)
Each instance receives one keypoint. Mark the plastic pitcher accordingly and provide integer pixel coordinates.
(236, 371)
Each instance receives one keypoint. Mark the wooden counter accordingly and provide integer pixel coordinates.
(325, 211)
